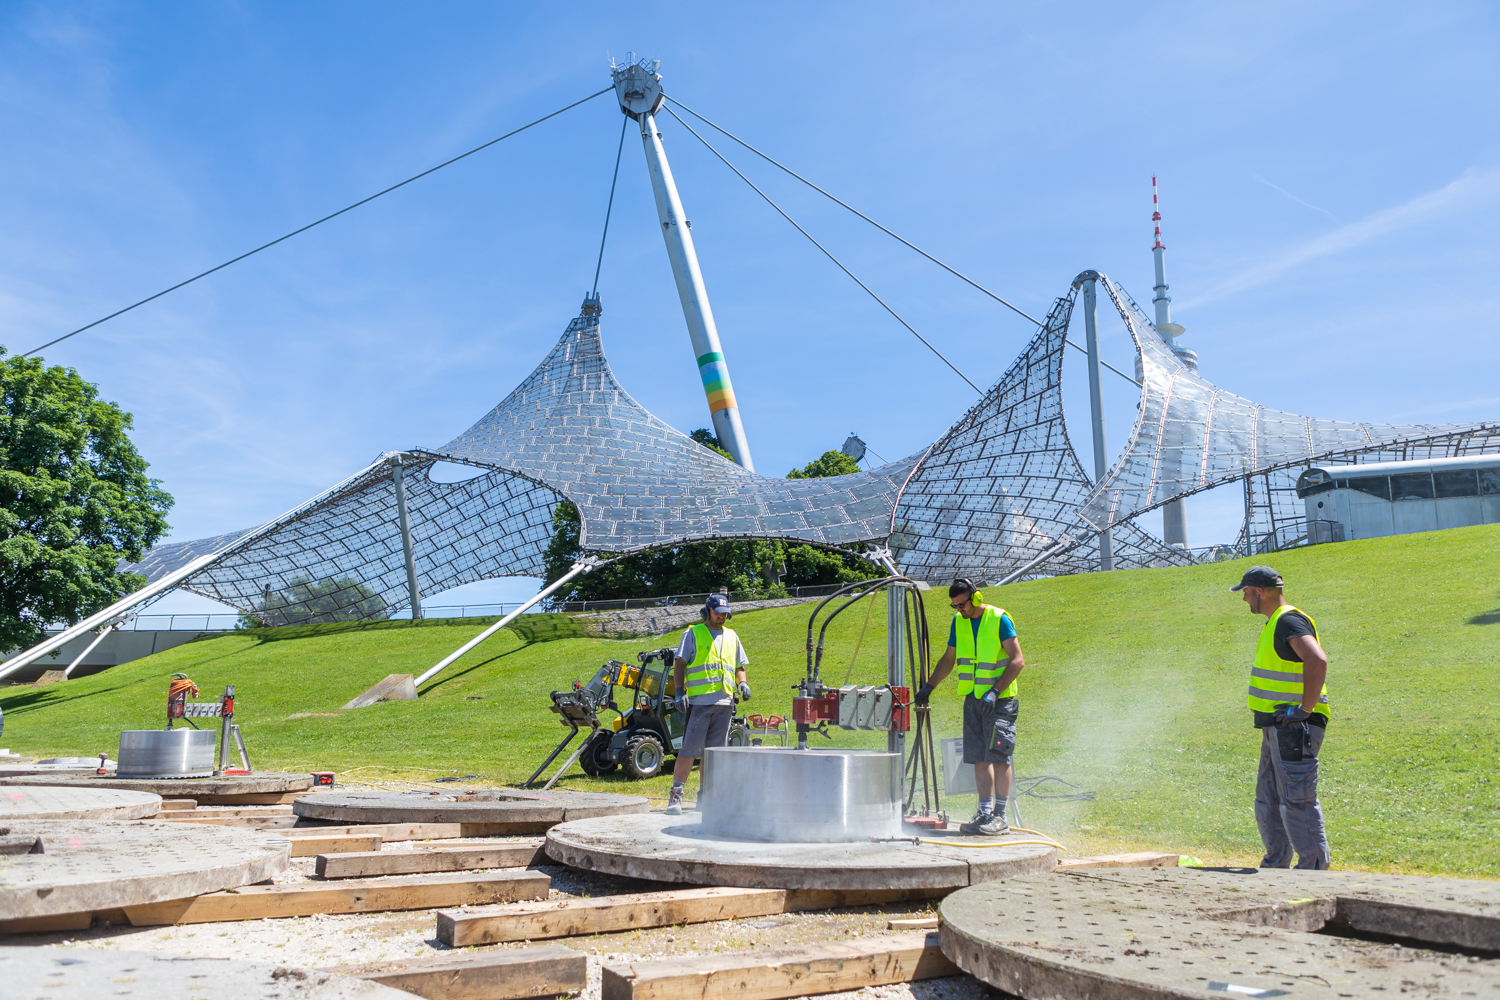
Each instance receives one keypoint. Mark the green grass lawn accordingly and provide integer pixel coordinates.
(1134, 688)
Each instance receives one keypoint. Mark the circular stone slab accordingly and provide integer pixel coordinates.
(1185, 932)
(88, 973)
(270, 783)
(88, 865)
(515, 810)
(72, 802)
(676, 849)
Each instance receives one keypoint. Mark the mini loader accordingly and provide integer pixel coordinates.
(648, 723)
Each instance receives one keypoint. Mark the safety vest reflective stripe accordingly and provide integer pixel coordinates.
(713, 663)
(986, 662)
(1274, 681)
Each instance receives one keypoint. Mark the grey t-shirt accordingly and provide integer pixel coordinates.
(687, 650)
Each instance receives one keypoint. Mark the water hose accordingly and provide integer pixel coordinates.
(997, 843)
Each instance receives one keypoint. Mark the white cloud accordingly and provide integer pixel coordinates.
(1472, 190)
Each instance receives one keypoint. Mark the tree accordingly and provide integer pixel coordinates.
(830, 463)
(709, 440)
(74, 500)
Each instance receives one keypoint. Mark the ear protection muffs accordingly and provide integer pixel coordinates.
(977, 598)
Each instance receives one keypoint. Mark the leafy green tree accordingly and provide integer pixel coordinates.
(306, 601)
(709, 440)
(74, 500)
(830, 463)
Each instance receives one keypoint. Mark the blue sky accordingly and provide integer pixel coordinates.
(1330, 178)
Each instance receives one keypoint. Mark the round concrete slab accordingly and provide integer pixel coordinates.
(71, 802)
(676, 849)
(88, 865)
(1183, 932)
(508, 810)
(89, 973)
(270, 783)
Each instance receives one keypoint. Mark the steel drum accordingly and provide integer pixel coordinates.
(167, 753)
(800, 796)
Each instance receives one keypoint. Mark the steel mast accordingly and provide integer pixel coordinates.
(1174, 514)
(638, 86)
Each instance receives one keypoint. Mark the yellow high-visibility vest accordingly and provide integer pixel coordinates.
(1274, 681)
(978, 670)
(713, 664)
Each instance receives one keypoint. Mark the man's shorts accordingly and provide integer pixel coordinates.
(707, 726)
(990, 730)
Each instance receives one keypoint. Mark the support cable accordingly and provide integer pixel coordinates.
(294, 232)
(830, 256)
(611, 206)
(895, 236)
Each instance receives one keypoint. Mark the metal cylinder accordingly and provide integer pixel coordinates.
(800, 796)
(167, 753)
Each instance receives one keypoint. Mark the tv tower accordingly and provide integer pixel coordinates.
(1173, 515)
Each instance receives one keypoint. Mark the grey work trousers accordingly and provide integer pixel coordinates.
(1286, 797)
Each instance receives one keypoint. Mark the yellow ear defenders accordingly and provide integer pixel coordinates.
(977, 598)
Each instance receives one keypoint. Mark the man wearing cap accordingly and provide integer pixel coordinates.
(1289, 700)
(709, 655)
(978, 637)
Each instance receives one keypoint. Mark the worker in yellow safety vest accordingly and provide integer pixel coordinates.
(709, 671)
(1289, 701)
(982, 643)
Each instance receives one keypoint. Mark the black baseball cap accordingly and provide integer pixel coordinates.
(1258, 576)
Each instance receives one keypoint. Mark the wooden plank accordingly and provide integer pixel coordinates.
(242, 822)
(388, 832)
(411, 892)
(252, 798)
(178, 805)
(783, 973)
(57, 922)
(1140, 859)
(232, 812)
(570, 917)
(320, 847)
(441, 859)
(914, 924)
(549, 970)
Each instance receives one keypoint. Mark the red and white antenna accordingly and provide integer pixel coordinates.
(1156, 215)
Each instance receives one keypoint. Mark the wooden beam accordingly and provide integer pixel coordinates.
(178, 805)
(914, 924)
(320, 847)
(1140, 859)
(782, 973)
(629, 911)
(225, 812)
(412, 892)
(57, 922)
(252, 798)
(546, 971)
(241, 822)
(433, 859)
(392, 832)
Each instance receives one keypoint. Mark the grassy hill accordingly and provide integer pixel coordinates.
(1134, 689)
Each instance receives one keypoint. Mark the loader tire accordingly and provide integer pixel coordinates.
(644, 756)
(595, 759)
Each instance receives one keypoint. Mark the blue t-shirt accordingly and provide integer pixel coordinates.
(1007, 629)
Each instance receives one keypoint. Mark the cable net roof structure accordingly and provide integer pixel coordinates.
(1001, 492)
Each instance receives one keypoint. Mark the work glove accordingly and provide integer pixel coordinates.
(1290, 713)
(923, 694)
(744, 690)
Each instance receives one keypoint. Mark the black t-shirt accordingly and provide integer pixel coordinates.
(1288, 626)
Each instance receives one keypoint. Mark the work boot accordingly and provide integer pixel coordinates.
(985, 825)
(674, 802)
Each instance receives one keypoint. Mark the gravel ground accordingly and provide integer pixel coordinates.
(362, 942)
